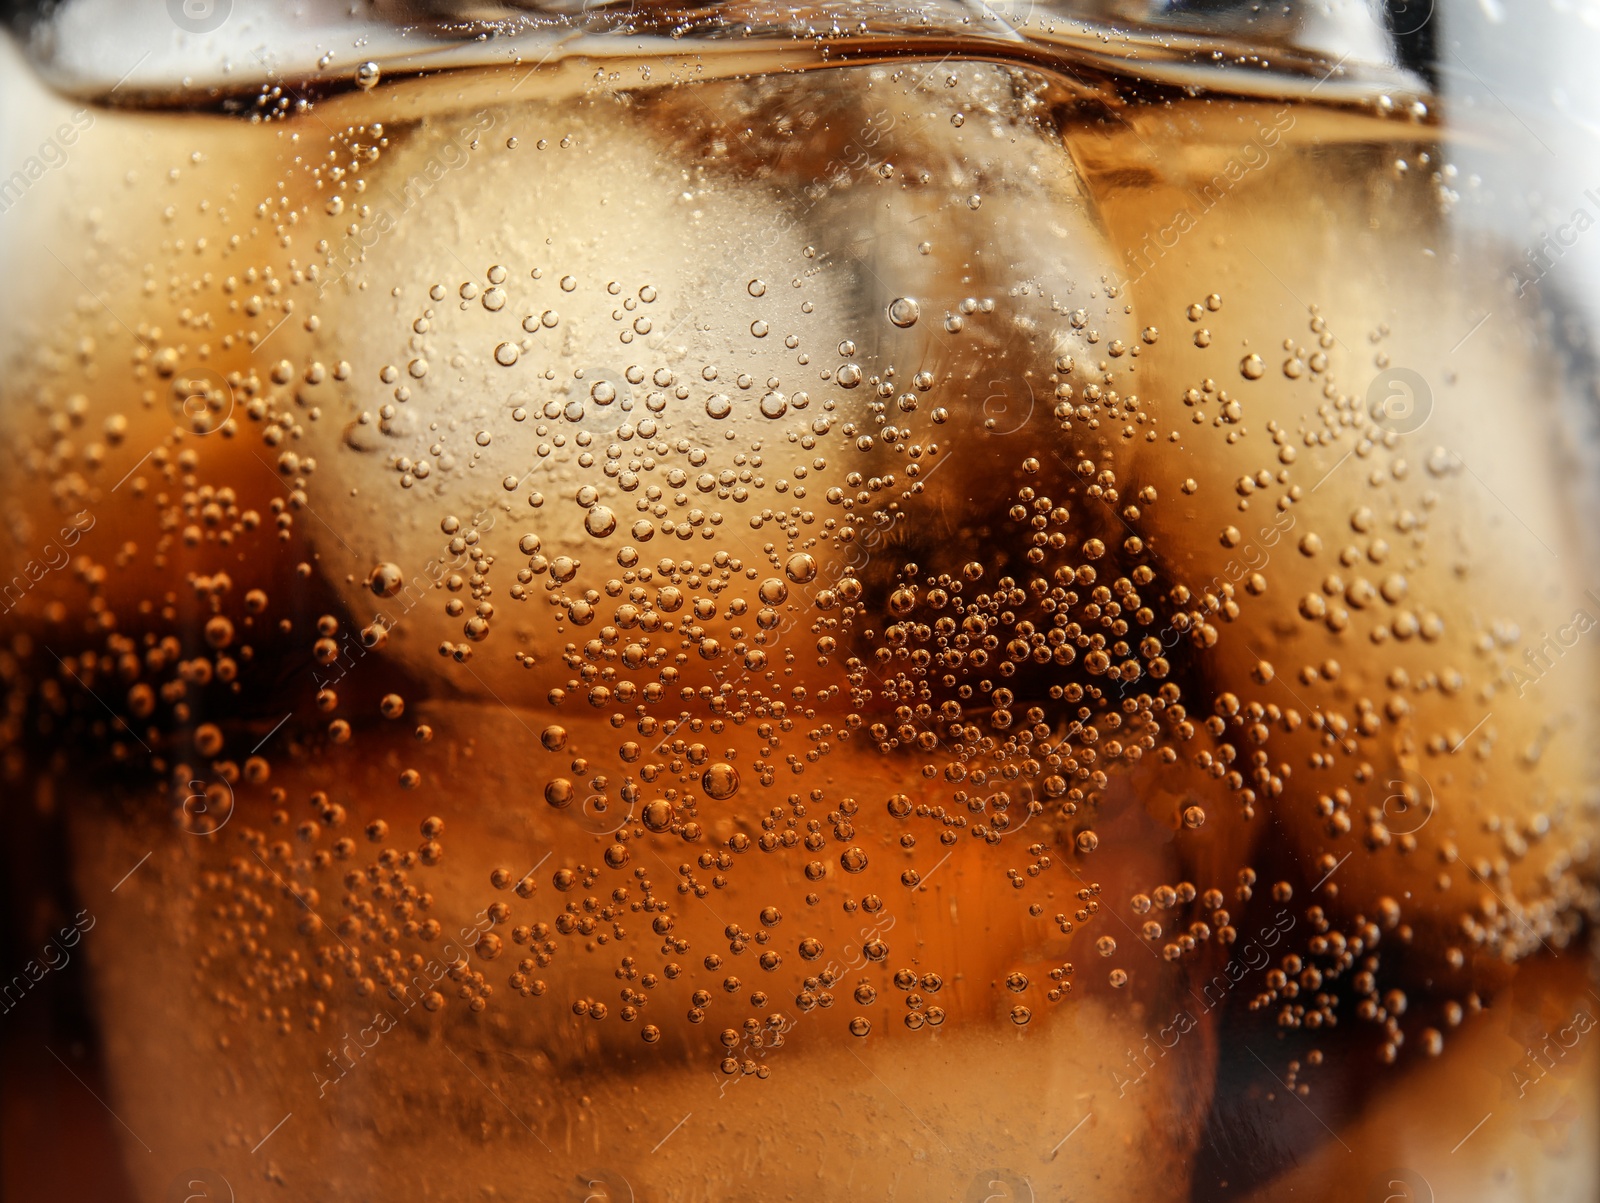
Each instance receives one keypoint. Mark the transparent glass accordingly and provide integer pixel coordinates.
(734, 601)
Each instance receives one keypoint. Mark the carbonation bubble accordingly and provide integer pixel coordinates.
(853, 860)
(772, 591)
(386, 579)
(718, 405)
(1194, 816)
(367, 76)
(1088, 841)
(1251, 367)
(757, 288)
(599, 522)
(848, 376)
(801, 568)
(720, 781)
(904, 312)
(554, 738)
(506, 354)
(1020, 1015)
(860, 1026)
(657, 815)
(774, 405)
(559, 792)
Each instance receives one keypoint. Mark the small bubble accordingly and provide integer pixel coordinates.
(1251, 367)
(568, 283)
(367, 76)
(386, 579)
(801, 568)
(720, 781)
(860, 1026)
(506, 354)
(757, 288)
(904, 312)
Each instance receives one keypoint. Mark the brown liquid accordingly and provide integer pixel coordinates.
(888, 578)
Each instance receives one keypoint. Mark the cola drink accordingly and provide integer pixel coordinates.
(740, 623)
